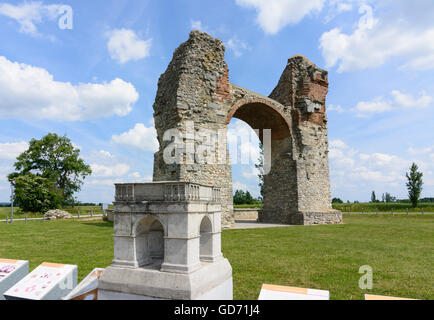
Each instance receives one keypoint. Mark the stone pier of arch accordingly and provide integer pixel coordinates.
(196, 88)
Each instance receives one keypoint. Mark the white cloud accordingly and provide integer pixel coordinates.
(197, 25)
(117, 170)
(375, 106)
(373, 177)
(141, 137)
(28, 14)
(414, 151)
(397, 101)
(251, 173)
(408, 101)
(337, 108)
(134, 175)
(137, 177)
(396, 32)
(11, 150)
(338, 144)
(239, 186)
(124, 45)
(31, 92)
(102, 154)
(102, 182)
(148, 178)
(237, 46)
(342, 6)
(384, 161)
(273, 15)
(341, 155)
(102, 157)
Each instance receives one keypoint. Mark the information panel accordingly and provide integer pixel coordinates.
(49, 281)
(11, 271)
(272, 292)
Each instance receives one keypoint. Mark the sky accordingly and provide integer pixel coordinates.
(89, 70)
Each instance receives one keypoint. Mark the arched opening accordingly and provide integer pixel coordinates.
(149, 241)
(260, 115)
(156, 240)
(205, 251)
(273, 131)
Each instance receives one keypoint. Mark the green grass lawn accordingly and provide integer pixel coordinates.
(400, 250)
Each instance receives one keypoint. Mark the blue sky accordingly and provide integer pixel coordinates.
(96, 82)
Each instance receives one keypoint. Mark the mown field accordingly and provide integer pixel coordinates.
(368, 207)
(358, 207)
(383, 207)
(400, 249)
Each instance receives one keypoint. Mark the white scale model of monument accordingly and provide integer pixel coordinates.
(167, 244)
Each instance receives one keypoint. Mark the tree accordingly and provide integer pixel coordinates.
(373, 197)
(388, 197)
(337, 200)
(239, 197)
(248, 199)
(414, 184)
(260, 167)
(56, 160)
(36, 194)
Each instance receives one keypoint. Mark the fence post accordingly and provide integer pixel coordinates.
(91, 213)
(43, 218)
(78, 213)
(407, 211)
(26, 218)
(363, 210)
(376, 211)
(7, 219)
(393, 212)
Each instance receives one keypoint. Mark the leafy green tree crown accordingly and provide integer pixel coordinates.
(55, 159)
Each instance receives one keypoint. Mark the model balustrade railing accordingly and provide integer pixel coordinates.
(166, 191)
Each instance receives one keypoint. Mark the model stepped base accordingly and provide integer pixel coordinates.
(213, 281)
(301, 218)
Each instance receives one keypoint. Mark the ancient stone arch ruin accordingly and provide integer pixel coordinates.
(195, 94)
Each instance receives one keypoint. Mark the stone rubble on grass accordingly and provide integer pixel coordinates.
(57, 214)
